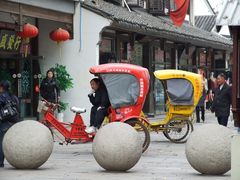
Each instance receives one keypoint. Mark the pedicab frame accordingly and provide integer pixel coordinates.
(183, 90)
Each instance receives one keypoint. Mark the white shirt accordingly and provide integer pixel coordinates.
(221, 87)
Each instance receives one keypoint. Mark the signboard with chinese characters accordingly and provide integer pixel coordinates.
(9, 41)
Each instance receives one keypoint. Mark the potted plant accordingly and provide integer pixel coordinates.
(65, 82)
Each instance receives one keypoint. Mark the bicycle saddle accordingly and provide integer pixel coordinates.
(78, 110)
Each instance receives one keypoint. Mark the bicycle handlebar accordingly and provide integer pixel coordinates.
(50, 104)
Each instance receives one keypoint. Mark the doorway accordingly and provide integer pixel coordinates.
(20, 72)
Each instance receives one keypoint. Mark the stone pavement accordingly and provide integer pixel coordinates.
(162, 161)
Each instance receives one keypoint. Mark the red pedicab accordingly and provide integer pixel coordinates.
(127, 86)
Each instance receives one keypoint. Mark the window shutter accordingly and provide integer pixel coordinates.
(159, 7)
(139, 3)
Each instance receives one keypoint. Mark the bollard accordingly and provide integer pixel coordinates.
(235, 157)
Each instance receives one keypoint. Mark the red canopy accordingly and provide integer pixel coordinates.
(178, 15)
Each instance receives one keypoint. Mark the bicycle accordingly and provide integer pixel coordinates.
(72, 132)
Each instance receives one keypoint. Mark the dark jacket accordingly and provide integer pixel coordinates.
(49, 90)
(6, 96)
(99, 98)
(201, 101)
(222, 100)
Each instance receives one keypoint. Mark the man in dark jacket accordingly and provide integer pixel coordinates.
(100, 102)
(222, 100)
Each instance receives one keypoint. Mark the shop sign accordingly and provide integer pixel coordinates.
(9, 41)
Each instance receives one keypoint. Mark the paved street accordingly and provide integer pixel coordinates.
(162, 161)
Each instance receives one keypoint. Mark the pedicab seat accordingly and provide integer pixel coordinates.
(78, 110)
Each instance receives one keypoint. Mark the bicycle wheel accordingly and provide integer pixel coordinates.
(178, 129)
(142, 130)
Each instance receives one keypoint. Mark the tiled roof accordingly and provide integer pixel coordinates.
(162, 27)
(206, 23)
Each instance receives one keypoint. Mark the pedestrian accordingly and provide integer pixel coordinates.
(49, 88)
(100, 101)
(222, 100)
(5, 124)
(201, 107)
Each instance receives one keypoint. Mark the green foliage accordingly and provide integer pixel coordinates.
(65, 82)
(62, 106)
(63, 77)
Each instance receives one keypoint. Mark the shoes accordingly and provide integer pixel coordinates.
(1, 165)
(90, 130)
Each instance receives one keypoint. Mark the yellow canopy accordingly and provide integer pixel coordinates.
(195, 79)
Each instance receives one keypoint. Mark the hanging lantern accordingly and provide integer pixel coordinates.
(59, 35)
(29, 31)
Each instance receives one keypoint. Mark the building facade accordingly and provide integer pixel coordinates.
(101, 32)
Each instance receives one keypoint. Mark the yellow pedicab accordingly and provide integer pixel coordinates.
(183, 90)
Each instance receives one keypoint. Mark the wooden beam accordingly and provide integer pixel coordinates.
(235, 78)
(117, 46)
(36, 12)
(20, 18)
(162, 44)
(9, 7)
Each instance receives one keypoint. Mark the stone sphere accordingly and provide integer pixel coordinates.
(27, 144)
(208, 149)
(117, 147)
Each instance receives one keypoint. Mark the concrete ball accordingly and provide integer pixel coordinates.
(208, 149)
(117, 147)
(27, 144)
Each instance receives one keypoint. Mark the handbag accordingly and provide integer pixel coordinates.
(8, 111)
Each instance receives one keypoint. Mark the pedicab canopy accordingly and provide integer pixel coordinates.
(182, 87)
(127, 84)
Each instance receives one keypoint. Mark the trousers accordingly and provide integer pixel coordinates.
(97, 116)
(4, 126)
(222, 120)
(198, 109)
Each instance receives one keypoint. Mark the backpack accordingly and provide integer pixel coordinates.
(8, 110)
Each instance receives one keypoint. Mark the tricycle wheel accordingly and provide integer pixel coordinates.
(178, 129)
(142, 130)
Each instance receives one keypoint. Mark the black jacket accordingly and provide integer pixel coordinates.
(222, 101)
(6, 96)
(49, 90)
(99, 98)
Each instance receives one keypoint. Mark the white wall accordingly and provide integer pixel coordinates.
(77, 59)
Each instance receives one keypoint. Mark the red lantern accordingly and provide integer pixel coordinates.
(37, 89)
(29, 31)
(59, 35)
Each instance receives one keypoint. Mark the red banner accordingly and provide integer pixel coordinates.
(179, 3)
(178, 15)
